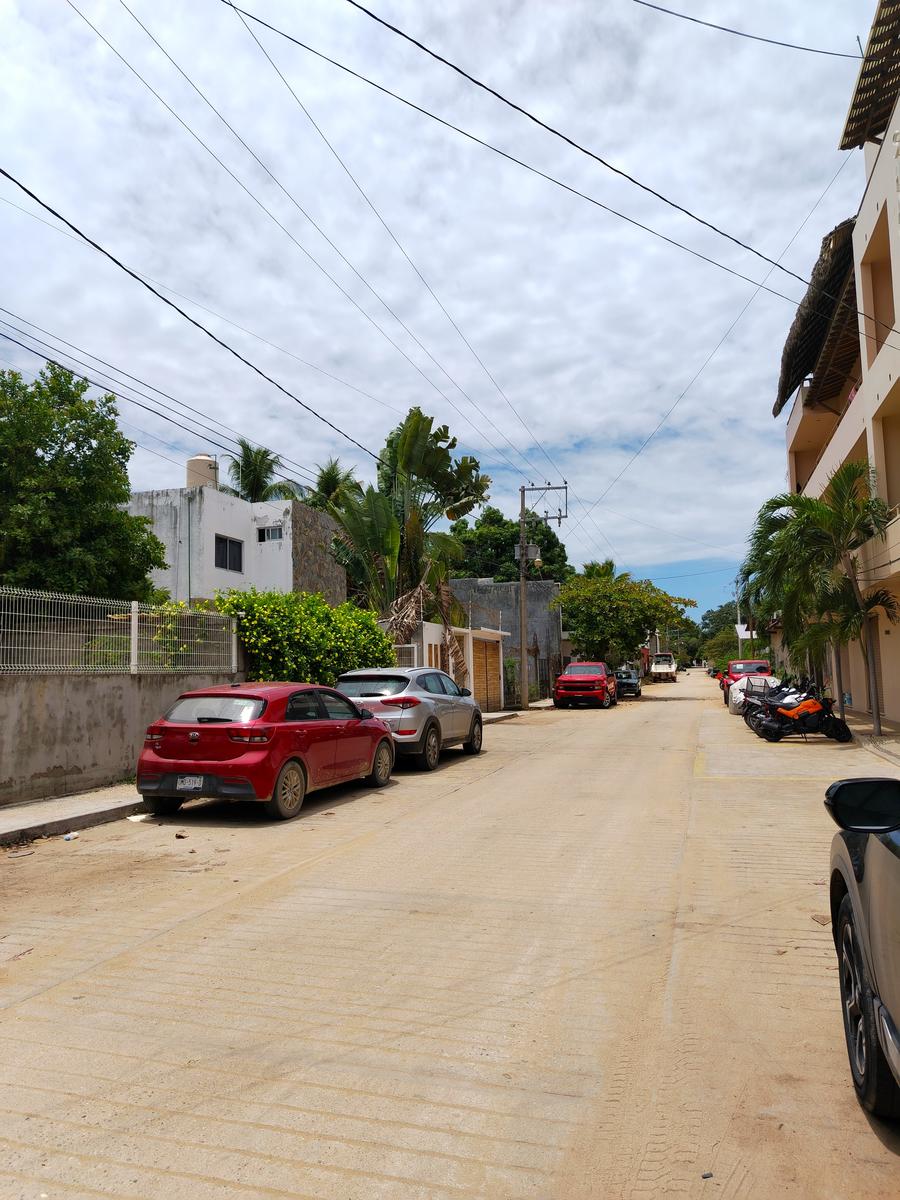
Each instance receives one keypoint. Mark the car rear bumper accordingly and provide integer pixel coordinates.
(216, 787)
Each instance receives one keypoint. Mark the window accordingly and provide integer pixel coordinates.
(336, 707)
(229, 553)
(449, 685)
(269, 533)
(373, 685)
(236, 710)
(432, 683)
(303, 706)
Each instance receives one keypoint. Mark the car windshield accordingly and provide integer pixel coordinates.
(373, 686)
(583, 669)
(624, 673)
(749, 668)
(663, 658)
(237, 710)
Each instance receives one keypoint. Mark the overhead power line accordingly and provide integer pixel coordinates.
(560, 184)
(285, 229)
(213, 313)
(187, 317)
(402, 248)
(715, 350)
(530, 116)
(755, 37)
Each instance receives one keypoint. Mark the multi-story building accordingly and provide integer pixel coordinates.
(215, 541)
(842, 355)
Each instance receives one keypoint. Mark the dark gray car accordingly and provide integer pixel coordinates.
(628, 682)
(865, 922)
(424, 708)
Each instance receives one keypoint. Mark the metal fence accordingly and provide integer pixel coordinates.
(44, 632)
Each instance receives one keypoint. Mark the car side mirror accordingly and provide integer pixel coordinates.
(865, 805)
(366, 714)
(464, 692)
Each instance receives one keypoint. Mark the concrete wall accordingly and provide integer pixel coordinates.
(496, 606)
(67, 733)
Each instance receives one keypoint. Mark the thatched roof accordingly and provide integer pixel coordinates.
(816, 311)
(879, 79)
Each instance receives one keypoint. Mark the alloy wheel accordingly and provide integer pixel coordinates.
(382, 770)
(432, 748)
(851, 992)
(292, 789)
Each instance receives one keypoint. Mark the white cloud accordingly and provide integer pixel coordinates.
(591, 326)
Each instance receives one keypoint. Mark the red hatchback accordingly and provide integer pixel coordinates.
(582, 681)
(271, 742)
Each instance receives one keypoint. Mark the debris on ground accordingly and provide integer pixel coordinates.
(707, 1175)
(821, 918)
(69, 837)
(181, 834)
(19, 853)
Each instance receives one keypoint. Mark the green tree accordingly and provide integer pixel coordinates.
(715, 620)
(721, 648)
(489, 547)
(603, 570)
(334, 483)
(64, 472)
(253, 473)
(803, 562)
(610, 617)
(298, 635)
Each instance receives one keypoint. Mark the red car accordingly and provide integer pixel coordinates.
(271, 742)
(738, 668)
(584, 681)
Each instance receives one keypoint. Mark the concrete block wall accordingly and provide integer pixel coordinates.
(67, 733)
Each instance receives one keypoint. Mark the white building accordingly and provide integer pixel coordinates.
(214, 541)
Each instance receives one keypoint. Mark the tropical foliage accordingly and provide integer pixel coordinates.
(334, 484)
(489, 547)
(298, 635)
(254, 473)
(610, 615)
(803, 567)
(64, 471)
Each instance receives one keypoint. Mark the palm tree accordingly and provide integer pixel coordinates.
(605, 570)
(804, 564)
(334, 484)
(253, 471)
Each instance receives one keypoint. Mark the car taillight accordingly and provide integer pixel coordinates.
(401, 701)
(152, 737)
(259, 735)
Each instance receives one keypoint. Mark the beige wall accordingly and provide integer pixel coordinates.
(67, 733)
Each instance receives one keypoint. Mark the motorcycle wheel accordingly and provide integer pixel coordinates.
(772, 735)
(842, 731)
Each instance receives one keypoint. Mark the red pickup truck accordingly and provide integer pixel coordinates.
(738, 668)
(584, 682)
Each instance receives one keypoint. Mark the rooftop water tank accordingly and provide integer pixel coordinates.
(202, 471)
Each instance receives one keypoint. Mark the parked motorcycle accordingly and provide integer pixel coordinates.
(803, 714)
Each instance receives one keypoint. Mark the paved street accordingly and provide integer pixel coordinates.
(585, 963)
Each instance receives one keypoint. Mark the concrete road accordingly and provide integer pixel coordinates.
(585, 964)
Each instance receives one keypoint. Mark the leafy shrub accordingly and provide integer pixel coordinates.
(299, 636)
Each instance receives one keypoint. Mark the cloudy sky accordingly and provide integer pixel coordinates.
(591, 327)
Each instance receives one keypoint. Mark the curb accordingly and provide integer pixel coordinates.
(496, 718)
(102, 816)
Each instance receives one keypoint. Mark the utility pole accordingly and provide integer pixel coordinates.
(525, 552)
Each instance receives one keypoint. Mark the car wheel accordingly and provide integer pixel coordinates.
(875, 1086)
(430, 755)
(164, 806)
(606, 702)
(476, 737)
(288, 794)
(382, 765)
(560, 704)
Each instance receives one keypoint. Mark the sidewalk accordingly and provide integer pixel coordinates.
(67, 814)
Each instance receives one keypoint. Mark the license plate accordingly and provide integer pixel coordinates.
(189, 783)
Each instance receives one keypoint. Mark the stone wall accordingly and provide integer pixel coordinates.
(67, 733)
(314, 570)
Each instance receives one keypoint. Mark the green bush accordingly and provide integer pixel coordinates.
(299, 636)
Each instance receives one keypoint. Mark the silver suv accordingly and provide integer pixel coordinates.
(424, 708)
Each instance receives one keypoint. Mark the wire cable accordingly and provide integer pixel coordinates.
(285, 229)
(760, 287)
(392, 235)
(752, 36)
(213, 313)
(644, 187)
